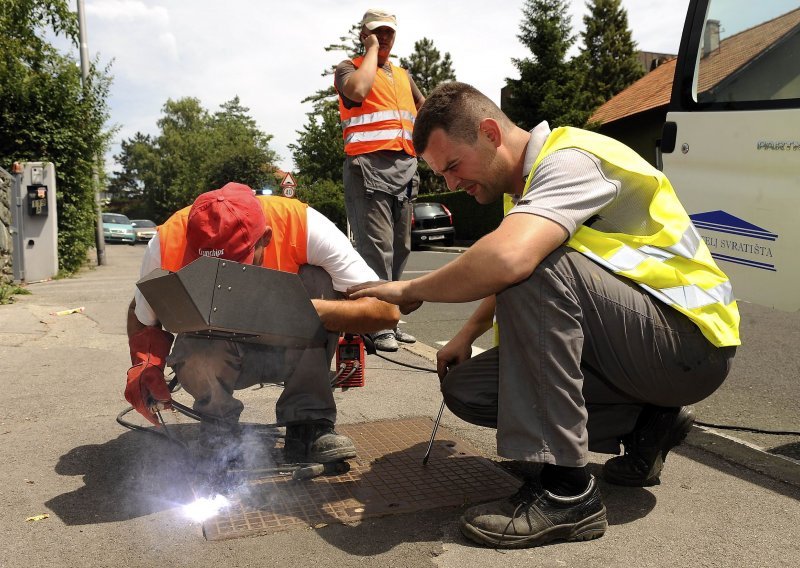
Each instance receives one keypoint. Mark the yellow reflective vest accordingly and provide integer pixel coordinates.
(673, 264)
(385, 119)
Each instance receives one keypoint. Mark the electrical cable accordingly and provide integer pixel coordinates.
(748, 429)
(405, 364)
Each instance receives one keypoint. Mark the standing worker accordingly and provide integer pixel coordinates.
(612, 314)
(378, 105)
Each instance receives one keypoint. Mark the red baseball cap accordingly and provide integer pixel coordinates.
(225, 223)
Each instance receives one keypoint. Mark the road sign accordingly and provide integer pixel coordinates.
(288, 191)
(288, 181)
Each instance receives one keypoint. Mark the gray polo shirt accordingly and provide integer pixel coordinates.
(573, 187)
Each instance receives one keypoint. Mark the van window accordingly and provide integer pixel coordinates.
(748, 52)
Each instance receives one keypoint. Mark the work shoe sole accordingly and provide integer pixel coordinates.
(589, 528)
(619, 470)
(327, 448)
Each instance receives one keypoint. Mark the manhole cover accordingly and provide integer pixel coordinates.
(387, 478)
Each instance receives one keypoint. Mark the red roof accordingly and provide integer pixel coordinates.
(654, 89)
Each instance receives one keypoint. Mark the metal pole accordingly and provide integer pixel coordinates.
(99, 241)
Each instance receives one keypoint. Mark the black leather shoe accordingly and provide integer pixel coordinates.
(646, 448)
(533, 517)
(316, 442)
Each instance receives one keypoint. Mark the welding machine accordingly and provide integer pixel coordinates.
(350, 361)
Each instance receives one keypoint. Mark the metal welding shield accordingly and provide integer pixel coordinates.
(222, 299)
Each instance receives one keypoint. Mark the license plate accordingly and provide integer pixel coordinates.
(435, 237)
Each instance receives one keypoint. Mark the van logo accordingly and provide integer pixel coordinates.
(778, 145)
(745, 246)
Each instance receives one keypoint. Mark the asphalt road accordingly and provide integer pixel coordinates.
(762, 391)
(106, 496)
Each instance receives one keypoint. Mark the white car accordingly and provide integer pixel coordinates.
(145, 229)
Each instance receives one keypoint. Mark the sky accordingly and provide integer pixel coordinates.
(271, 54)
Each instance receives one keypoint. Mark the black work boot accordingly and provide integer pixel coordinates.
(316, 442)
(534, 516)
(657, 432)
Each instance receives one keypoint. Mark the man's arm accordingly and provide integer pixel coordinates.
(358, 84)
(366, 315)
(133, 324)
(416, 94)
(459, 349)
(505, 256)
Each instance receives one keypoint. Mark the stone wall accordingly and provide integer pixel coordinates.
(6, 243)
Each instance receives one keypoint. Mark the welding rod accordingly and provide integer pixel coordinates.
(433, 434)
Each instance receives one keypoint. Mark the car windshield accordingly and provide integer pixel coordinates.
(116, 218)
(142, 223)
(428, 210)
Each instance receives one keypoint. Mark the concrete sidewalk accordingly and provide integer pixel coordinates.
(721, 504)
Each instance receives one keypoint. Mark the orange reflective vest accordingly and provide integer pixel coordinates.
(287, 251)
(385, 119)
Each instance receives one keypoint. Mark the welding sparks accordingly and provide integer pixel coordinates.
(205, 507)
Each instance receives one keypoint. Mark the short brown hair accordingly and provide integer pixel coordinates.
(456, 108)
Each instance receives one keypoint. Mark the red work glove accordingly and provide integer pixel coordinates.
(146, 384)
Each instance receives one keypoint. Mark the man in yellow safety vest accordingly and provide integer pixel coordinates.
(612, 314)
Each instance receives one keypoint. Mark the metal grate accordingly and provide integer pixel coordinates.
(387, 478)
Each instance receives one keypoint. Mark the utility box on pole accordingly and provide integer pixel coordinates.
(35, 223)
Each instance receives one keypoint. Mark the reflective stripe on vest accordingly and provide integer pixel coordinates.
(287, 251)
(673, 264)
(378, 117)
(373, 135)
(385, 119)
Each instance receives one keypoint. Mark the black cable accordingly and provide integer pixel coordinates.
(148, 430)
(406, 364)
(747, 429)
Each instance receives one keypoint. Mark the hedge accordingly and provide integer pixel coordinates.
(471, 220)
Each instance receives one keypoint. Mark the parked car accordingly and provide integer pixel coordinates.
(117, 228)
(431, 223)
(145, 229)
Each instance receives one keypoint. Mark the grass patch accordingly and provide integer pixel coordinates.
(8, 291)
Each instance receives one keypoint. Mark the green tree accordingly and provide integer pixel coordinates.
(549, 87)
(193, 152)
(319, 151)
(48, 114)
(427, 66)
(609, 52)
(326, 196)
(428, 69)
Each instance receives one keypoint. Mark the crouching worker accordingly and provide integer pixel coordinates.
(277, 233)
(612, 314)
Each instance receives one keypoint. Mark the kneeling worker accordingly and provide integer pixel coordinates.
(612, 314)
(278, 233)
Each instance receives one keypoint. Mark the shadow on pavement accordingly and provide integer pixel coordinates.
(377, 535)
(130, 476)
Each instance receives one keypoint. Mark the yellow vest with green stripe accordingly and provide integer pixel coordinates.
(673, 264)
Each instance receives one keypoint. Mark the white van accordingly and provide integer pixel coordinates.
(731, 143)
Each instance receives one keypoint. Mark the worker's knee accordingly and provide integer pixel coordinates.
(471, 397)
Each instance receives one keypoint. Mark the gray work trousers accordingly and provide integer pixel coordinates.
(581, 352)
(380, 222)
(212, 369)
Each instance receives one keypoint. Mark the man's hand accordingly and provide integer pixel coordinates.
(396, 293)
(370, 40)
(454, 353)
(146, 386)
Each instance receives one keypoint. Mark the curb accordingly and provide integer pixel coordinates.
(729, 448)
